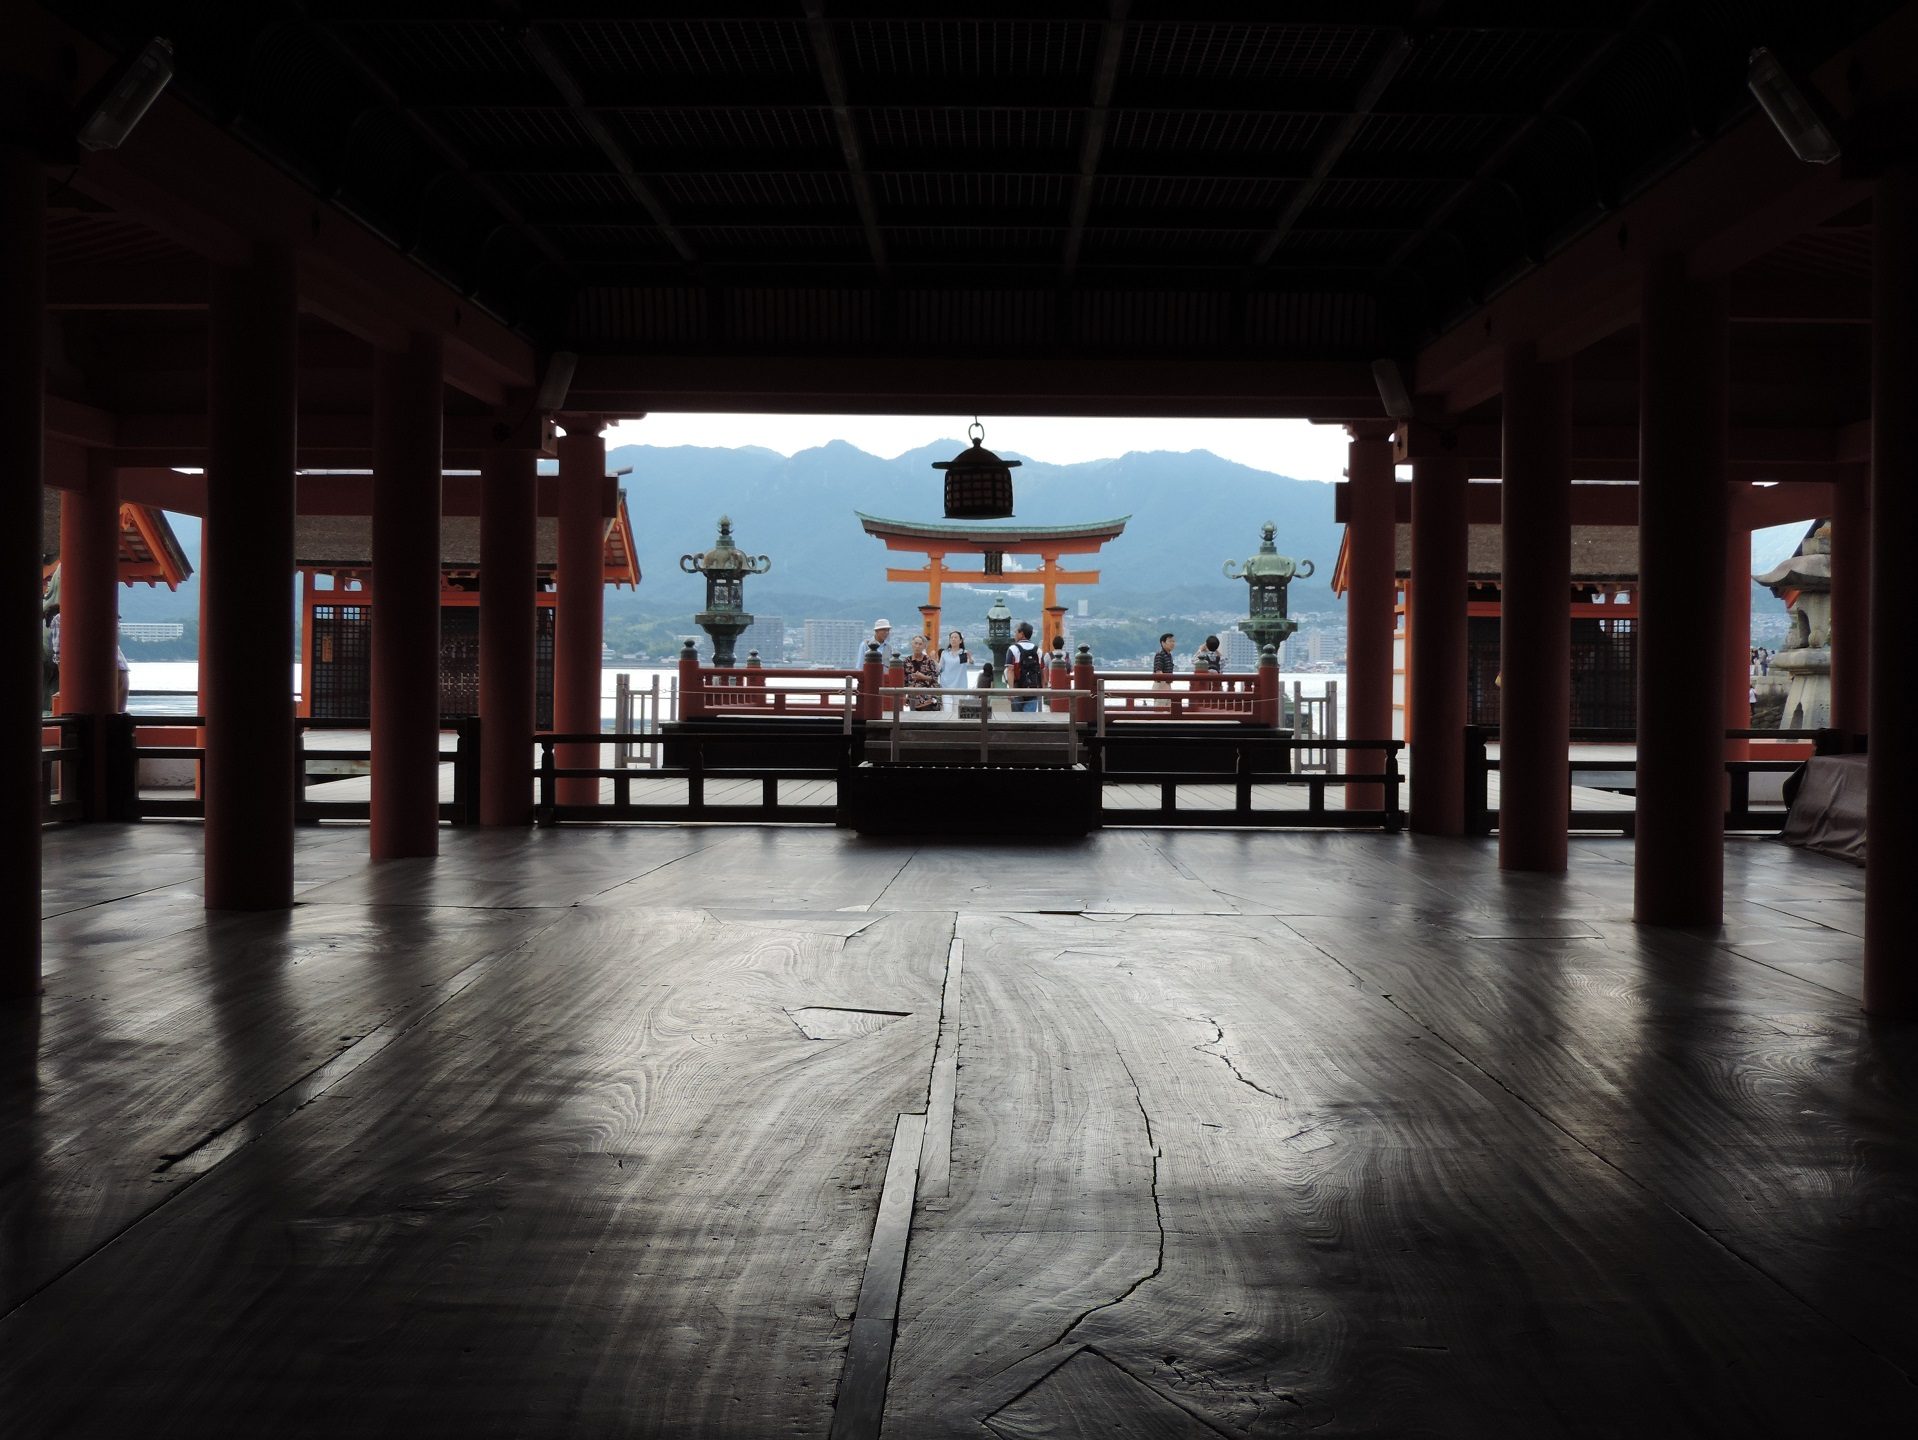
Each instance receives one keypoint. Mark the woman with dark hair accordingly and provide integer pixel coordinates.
(953, 661)
(921, 673)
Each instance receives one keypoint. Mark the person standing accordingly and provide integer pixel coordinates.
(881, 632)
(1162, 663)
(1208, 656)
(953, 661)
(921, 673)
(1024, 670)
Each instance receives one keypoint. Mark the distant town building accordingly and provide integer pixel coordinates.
(1240, 652)
(767, 635)
(150, 632)
(835, 643)
(1085, 608)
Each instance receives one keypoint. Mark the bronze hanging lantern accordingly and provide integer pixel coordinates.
(978, 482)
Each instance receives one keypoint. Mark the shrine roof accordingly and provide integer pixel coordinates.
(995, 537)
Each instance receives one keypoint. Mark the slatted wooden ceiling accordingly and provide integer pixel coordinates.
(1330, 179)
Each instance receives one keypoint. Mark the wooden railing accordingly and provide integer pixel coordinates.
(1255, 764)
(1481, 817)
(767, 806)
(134, 738)
(66, 767)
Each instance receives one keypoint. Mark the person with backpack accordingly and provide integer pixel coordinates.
(1024, 668)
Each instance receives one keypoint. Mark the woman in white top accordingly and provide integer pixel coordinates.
(953, 661)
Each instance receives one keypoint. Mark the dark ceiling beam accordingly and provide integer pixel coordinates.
(1398, 49)
(1569, 85)
(435, 140)
(1105, 74)
(915, 385)
(158, 285)
(832, 77)
(1042, 164)
(561, 78)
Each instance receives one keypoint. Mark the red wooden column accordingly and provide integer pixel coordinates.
(90, 602)
(1679, 863)
(1371, 594)
(1850, 603)
(509, 525)
(579, 625)
(1891, 850)
(1535, 633)
(1437, 624)
(1735, 684)
(407, 404)
(23, 189)
(247, 635)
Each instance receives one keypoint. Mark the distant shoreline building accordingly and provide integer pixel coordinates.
(833, 643)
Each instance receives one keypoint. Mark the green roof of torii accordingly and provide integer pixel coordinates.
(996, 537)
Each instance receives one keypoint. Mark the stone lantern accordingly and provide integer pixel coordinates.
(1268, 573)
(999, 639)
(978, 482)
(725, 567)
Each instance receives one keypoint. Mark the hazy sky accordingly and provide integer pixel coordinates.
(1285, 447)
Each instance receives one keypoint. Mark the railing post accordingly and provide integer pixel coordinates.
(623, 718)
(1242, 788)
(122, 767)
(872, 674)
(1394, 815)
(1082, 680)
(1265, 694)
(1058, 677)
(696, 779)
(548, 782)
(1477, 821)
(301, 810)
(691, 701)
(466, 758)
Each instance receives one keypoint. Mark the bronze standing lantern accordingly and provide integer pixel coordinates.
(978, 482)
(725, 567)
(1268, 573)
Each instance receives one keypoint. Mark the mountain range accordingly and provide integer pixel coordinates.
(1189, 513)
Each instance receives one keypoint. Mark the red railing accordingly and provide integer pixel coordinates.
(1250, 699)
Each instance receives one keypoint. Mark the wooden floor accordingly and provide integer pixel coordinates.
(597, 1133)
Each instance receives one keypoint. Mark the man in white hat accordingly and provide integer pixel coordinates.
(881, 628)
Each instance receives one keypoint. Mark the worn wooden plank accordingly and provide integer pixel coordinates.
(610, 1189)
(1276, 1199)
(1118, 870)
(801, 869)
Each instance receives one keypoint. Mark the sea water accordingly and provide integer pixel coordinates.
(170, 687)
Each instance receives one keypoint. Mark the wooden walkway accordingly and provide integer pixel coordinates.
(598, 1133)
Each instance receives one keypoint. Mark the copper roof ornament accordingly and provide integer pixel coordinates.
(978, 482)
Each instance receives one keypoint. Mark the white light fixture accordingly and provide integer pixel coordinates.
(1798, 112)
(110, 110)
(1393, 395)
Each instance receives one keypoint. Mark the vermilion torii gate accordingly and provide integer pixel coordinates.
(992, 543)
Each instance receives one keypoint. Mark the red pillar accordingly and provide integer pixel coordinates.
(1850, 603)
(578, 628)
(1891, 856)
(407, 405)
(1437, 624)
(90, 602)
(1371, 561)
(1736, 685)
(247, 639)
(89, 598)
(1679, 864)
(23, 189)
(509, 522)
(872, 675)
(1535, 634)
